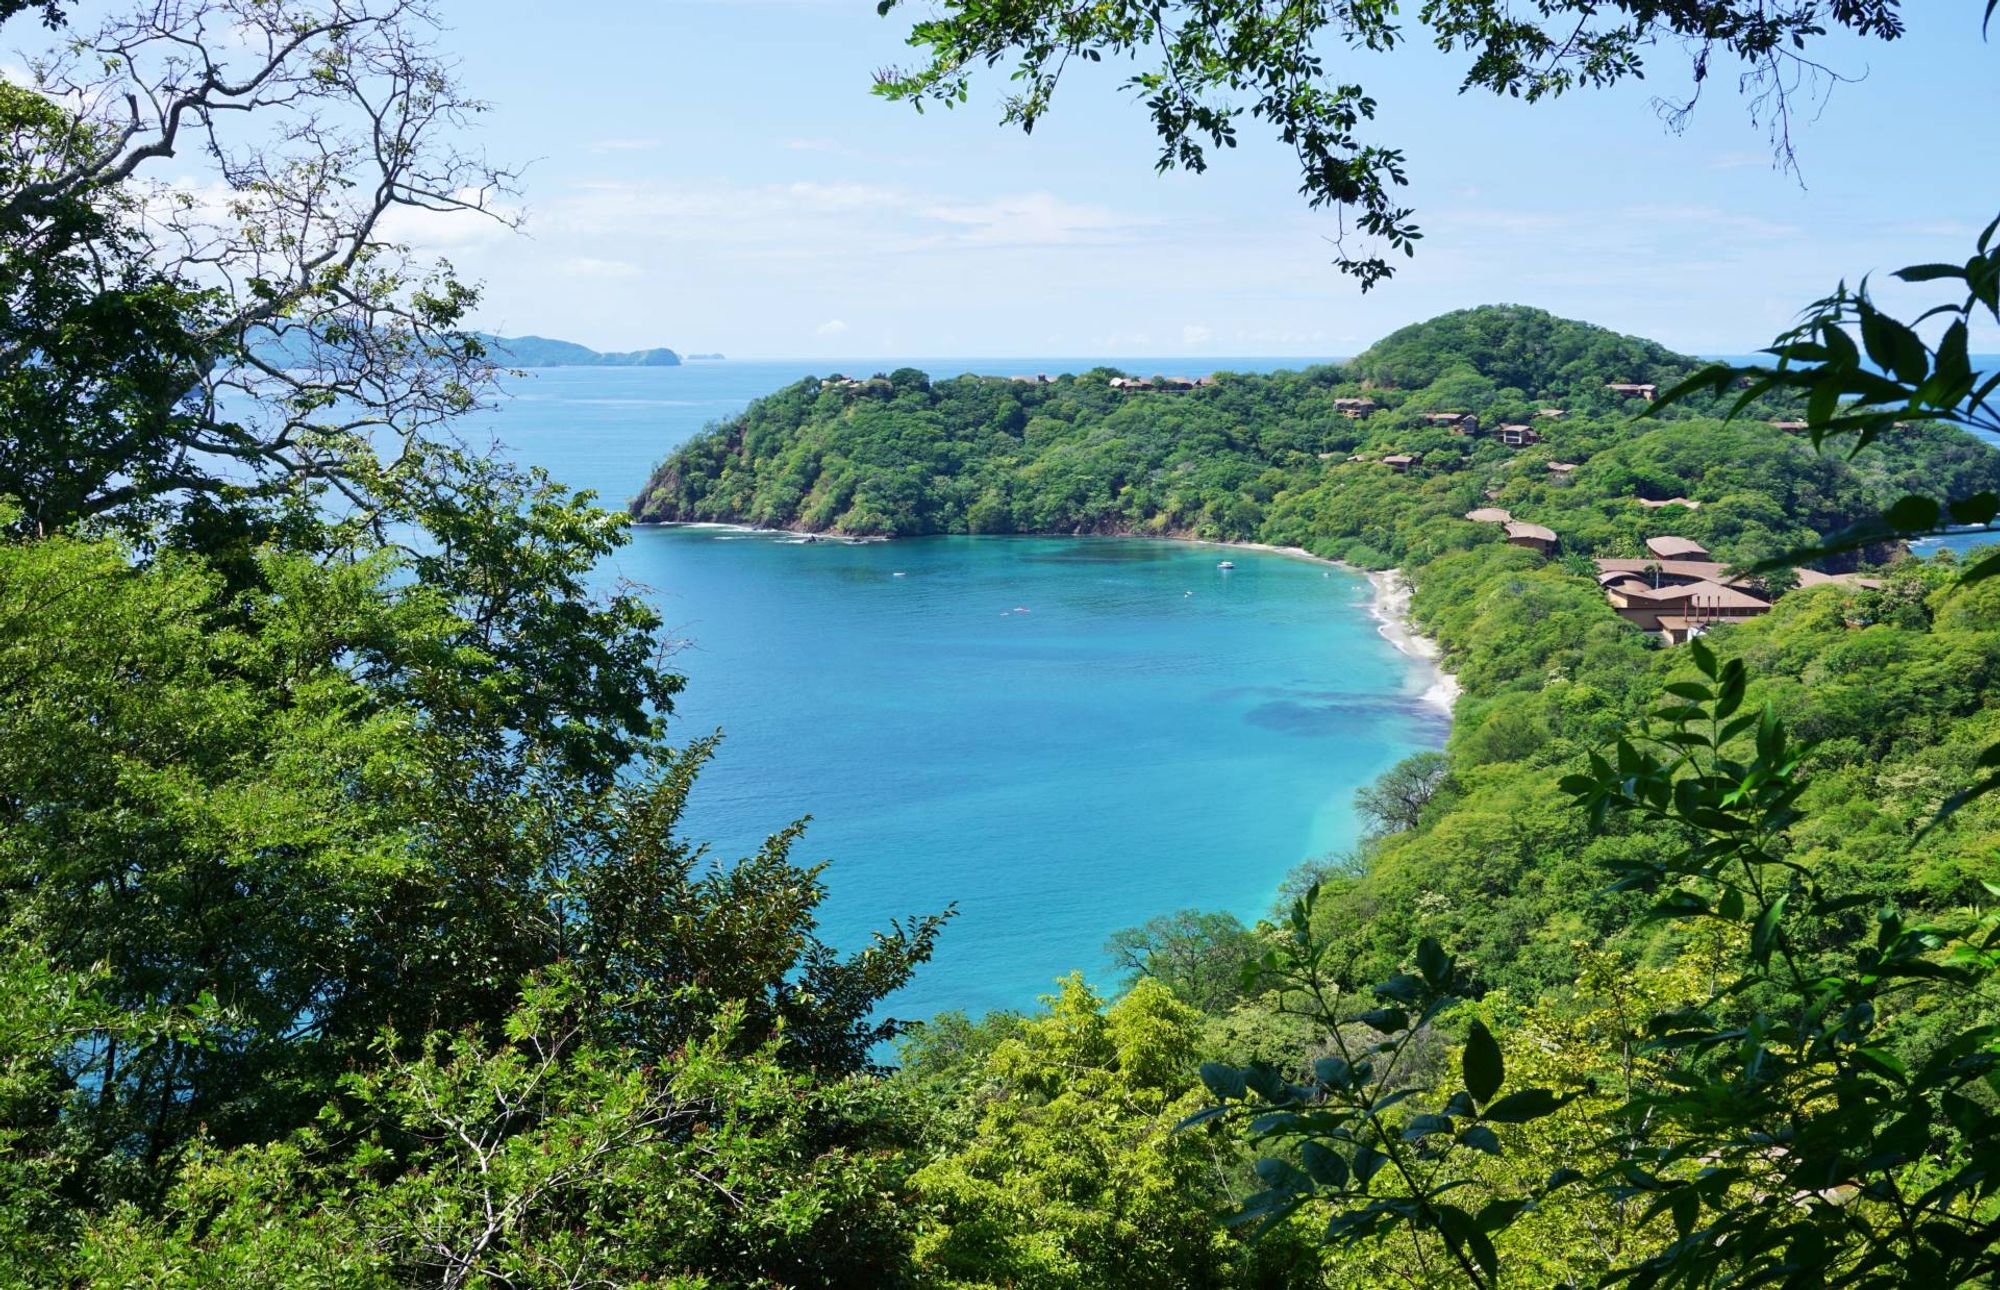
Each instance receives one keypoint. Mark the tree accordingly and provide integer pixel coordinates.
(1788, 1127)
(1207, 64)
(1072, 1175)
(1199, 956)
(1398, 798)
(166, 340)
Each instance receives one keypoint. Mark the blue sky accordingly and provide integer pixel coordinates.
(714, 174)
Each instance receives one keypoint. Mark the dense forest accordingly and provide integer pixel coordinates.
(1481, 849)
(353, 938)
(1272, 458)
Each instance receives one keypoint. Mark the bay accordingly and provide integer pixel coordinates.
(1060, 736)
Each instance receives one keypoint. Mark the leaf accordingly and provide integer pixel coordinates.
(1704, 657)
(1423, 1126)
(1980, 508)
(1913, 515)
(1764, 935)
(1434, 963)
(1931, 272)
(1390, 1021)
(1323, 1164)
(1282, 1175)
(1481, 1063)
(1402, 987)
(1519, 1108)
(1480, 1138)
(1202, 1116)
(1225, 1082)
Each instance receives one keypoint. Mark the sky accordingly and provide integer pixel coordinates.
(715, 175)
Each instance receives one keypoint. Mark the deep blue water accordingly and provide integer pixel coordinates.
(1063, 736)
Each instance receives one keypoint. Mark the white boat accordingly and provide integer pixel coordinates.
(1226, 564)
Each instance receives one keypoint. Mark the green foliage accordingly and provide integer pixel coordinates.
(543, 1159)
(284, 844)
(1072, 1176)
(1199, 956)
(1823, 1111)
(1398, 799)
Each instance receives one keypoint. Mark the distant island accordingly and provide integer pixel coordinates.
(705, 358)
(540, 351)
(293, 349)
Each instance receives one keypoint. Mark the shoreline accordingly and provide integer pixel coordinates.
(1390, 605)
(1390, 608)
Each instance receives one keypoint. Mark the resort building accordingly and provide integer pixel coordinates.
(1355, 409)
(1163, 384)
(1562, 468)
(1680, 590)
(1652, 505)
(1488, 515)
(1532, 536)
(1517, 436)
(1646, 392)
(1457, 422)
(1399, 462)
(1678, 548)
(1792, 427)
(1553, 414)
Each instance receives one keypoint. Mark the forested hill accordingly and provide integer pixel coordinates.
(1293, 458)
(294, 348)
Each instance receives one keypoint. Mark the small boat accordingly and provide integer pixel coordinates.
(897, 574)
(1226, 564)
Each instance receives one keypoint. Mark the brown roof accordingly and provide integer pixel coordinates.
(1397, 459)
(1652, 505)
(1551, 412)
(1793, 426)
(1676, 548)
(1671, 568)
(1519, 529)
(1624, 387)
(1562, 467)
(1488, 515)
(1711, 595)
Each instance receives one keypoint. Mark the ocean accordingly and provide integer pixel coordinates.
(1060, 737)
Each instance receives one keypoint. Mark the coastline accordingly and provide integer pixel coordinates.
(1390, 605)
(1391, 608)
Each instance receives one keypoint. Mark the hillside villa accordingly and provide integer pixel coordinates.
(1532, 536)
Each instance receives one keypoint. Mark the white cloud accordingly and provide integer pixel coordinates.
(584, 266)
(1195, 334)
(1033, 219)
(831, 327)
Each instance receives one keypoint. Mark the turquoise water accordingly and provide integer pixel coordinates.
(1063, 736)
